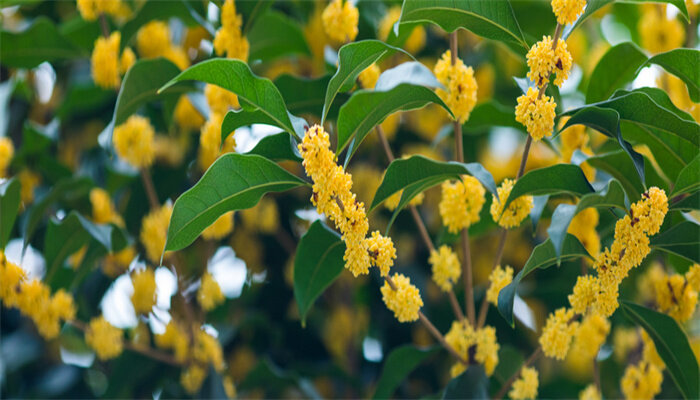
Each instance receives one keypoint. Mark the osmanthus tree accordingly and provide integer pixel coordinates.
(405, 142)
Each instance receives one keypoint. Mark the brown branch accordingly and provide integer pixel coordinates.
(468, 277)
(523, 160)
(515, 376)
(596, 375)
(150, 189)
(104, 26)
(455, 305)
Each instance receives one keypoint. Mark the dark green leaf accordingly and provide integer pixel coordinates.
(233, 182)
(670, 152)
(9, 206)
(400, 362)
(538, 205)
(671, 344)
(40, 42)
(256, 93)
(543, 256)
(560, 178)
(491, 113)
(235, 119)
(490, 19)
(687, 203)
(353, 58)
(81, 32)
(684, 64)
(682, 239)
(279, 147)
(620, 167)
(141, 84)
(618, 66)
(471, 384)
(274, 35)
(317, 264)
(306, 96)
(688, 179)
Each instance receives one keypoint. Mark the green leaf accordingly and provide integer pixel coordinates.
(682, 63)
(256, 93)
(688, 179)
(612, 196)
(81, 32)
(671, 344)
(273, 36)
(687, 203)
(618, 66)
(158, 10)
(40, 42)
(317, 264)
(620, 167)
(233, 182)
(543, 256)
(670, 152)
(9, 206)
(400, 362)
(306, 96)
(490, 19)
(491, 113)
(471, 384)
(353, 58)
(682, 239)
(141, 84)
(279, 147)
(235, 119)
(559, 178)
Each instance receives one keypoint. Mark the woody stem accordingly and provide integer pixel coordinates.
(150, 189)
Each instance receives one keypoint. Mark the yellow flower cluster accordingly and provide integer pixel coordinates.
(33, 299)
(263, 217)
(381, 252)
(583, 226)
(90, 10)
(405, 301)
(106, 66)
(133, 141)
(220, 228)
(461, 203)
(641, 381)
(369, 76)
(567, 10)
(210, 142)
(115, 264)
(536, 113)
(186, 115)
(153, 40)
(105, 339)
(589, 393)
(28, 181)
(693, 277)
(460, 83)
(340, 20)
(590, 335)
(7, 151)
(526, 386)
(474, 345)
(144, 296)
(415, 41)
(517, 210)
(219, 99)
(229, 38)
(192, 378)
(342, 328)
(629, 248)
(676, 297)
(209, 294)
(658, 33)
(544, 59)
(558, 332)
(103, 211)
(445, 266)
(499, 279)
(175, 339)
(154, 231)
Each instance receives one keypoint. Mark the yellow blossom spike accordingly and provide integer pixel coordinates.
(340, 20)
(536, 114)
(405, 301)
(525, 387)
(153, 39)
(589, 393)
(105, 339)
(144, 296)
(209, 294)
(557, 333)
(461, 203)
(7, 151)
(133, 141)
(641, 381)
(567, 11)
(460, 83)
(105, 61)
(445, 267)
(154, 230)
(517, 211)
(499, 279)
(369, 76)
(381, 252)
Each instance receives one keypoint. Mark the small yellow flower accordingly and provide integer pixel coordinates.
(154, 231)
(263, 217)
(557, 333)
(133, 141)
(676, 297)
(186, 115)
(176, 339)
(369, 76)
(536, 114)
(415, 41)
(209, 294)
(144, 296)
(461, 203)
(473, 345)
(192, 378)
(117, 263)
(28, 182)
(7, 151)
(526, 385)
(405, 301)
(105, 61)
(207, 350)
(340, 20)
(517, 210)
(567, 11)
(105, 339)
(153, 39)
(127, 60)
(381, 252)
(693, 277)
(91, 9)
(589, 393)
(658, 33)
(229, 38)
(641, 381)
(445, 266)
(460, 83)
(543, 59)
(220, 228)
(220, 100)
(103, 211)
(499, 279)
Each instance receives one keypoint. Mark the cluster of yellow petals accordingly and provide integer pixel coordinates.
(28, 181)
(144, 296)
(153, 40)
(369, 76)
(219, 99)
(90, 10)
(103, 211)
(517, 210)
(544, 59)
(7, 151)
(525, 387)
(115, 264)
(220, 228)
(209, 294)
(381, 252)
(460, 85)
(154, 231)
(176, 339)
(340, 20)
(629, 248)
(641, 381)
(590, 393)
(536, 113)
(404, 301)
(342, 328)
(498, 279)
(583, 226)
(658, 33)
(105, 339)
(133, 141)
(558, 332)
(229, 39)
(461, 203)
(106, 65)
(589, 337)
(186, 115)
(473, 345)
(567, 11)
(575, 138)
(263, 217)
(210, 147)
(445, 266)
(415, 41)
(676, 296)
(33, 299)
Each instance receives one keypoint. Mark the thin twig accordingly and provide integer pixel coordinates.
(523, 160)
(104, 25)
(596, 375)
(497, 261)
(150, 189)
(455, 305)
(515, 376)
